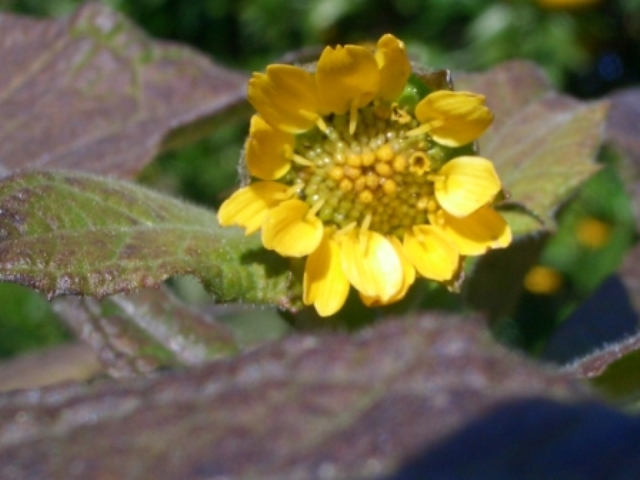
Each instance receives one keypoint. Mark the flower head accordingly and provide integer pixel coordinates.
(363, 183)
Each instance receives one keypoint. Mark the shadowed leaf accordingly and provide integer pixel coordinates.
(614, 370)
(94, 93)
(596, 363)
(543, 144)
(68, 233)
(623, 125)
(139, 332)
(328, 406)
(615, 367)
(536, 439)
(630, 276)
(623, 133)
(496, 281)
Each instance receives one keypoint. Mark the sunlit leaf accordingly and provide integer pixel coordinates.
(543, 143)
(69, 233)
(94, 93)
(331, 406)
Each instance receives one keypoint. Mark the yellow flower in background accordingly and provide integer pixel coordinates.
(593, 233)
(543, 280)
(364, 185)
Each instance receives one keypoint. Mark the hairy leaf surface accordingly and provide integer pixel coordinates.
(94, 93)
(322, 406)
(139, 332)
(71, 233)
(542, 143)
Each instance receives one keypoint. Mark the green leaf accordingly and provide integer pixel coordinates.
(95, 93)
(69, 233)
(543, 144)
(26, 321)
(142, 331)
(329, 406)
(614, 370)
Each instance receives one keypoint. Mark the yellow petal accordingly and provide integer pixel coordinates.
(465, 184)
(290, 231)
(347, 77)
(457, 118)
(248, 206)
(394, 67)
(286, 97)
(325, 284)
(409, 276)
(371, 263)
(430, 251)
(268, 150)
(474, 234)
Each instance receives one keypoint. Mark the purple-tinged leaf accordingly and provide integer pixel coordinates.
(94, 93)
(543, 144)
(139, 332)
(623, 134)
(63, 363)
(324, 406)
(77, 234)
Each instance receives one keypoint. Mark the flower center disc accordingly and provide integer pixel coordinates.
(378, 172)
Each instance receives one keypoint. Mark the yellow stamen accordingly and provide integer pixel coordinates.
(422, 203)
(372, 180)
(368, 158)
(383, 169)
(321, 125)
(362, 240)
(366, 223)
(426, 127)
(336, 173)
(383, 112)
(359, 184)
(353, 115)
(385, 153)
(290, 192)
(346, 185)
(419, 163)
(352, 172)
(399, 163)
(344, 230)
(399, 115)
(390, 187)
(299, 159)
(365, 196)
(354, 160)
(315, 209)
(435, 178)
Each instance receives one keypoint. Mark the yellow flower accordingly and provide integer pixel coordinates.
(350, 174)
(543, 280)
(593, 233)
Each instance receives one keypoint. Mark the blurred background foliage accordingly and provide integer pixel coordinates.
(587, 47)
